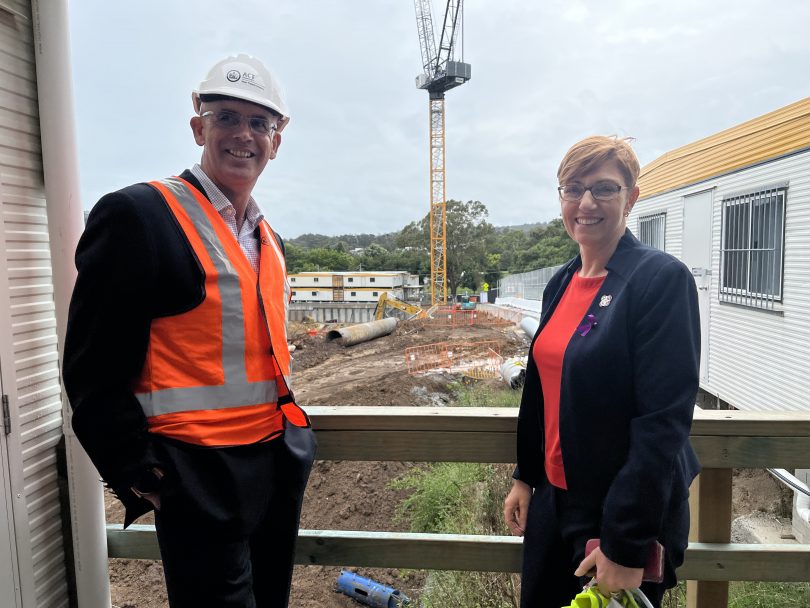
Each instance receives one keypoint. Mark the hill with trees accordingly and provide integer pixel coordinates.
(477, 251)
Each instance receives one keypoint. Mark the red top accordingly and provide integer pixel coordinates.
(548, 353)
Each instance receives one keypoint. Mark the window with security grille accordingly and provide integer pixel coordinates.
(652, 230)
(752, 250)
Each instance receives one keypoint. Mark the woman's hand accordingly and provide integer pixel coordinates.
(610, 576)
(516, 507)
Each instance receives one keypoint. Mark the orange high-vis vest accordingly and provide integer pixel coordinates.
(219, 374)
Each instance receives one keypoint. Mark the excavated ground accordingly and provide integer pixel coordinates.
(356, 495)
(341, 495)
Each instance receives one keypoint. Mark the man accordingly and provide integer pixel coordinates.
(176, 358)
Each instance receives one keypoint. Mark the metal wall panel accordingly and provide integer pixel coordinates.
(28, 353)
(354, 312)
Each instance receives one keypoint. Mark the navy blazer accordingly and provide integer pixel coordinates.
(134, 264)
(627, 396)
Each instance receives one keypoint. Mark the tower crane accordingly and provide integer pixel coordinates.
(441, 73)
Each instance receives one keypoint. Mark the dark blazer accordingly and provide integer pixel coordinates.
(626, 399)
(135, 264)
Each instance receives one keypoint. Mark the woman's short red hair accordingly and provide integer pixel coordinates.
(588, 154)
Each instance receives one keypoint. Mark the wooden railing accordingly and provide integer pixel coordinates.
(722, 439)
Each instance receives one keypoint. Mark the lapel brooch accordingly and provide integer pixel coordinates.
(605, 301)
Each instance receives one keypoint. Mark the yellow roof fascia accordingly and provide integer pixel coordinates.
(769, 136)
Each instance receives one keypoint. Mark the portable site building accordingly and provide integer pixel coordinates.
(735, 207)
(351, 286)
(41, 545)
(32, 554)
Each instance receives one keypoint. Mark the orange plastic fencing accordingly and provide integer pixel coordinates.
(477, 359)
(454, 317)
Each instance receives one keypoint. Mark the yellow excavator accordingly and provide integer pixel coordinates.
(386, 300)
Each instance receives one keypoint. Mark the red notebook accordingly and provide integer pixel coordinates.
(653, 568)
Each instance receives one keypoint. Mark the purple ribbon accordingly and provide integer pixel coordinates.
(588, 325)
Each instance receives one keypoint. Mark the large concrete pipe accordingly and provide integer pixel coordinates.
(355, 334)
(513, 371)
(529, 325)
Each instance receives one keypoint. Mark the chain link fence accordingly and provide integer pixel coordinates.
(526, 285)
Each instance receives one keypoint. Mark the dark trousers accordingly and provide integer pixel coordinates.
(557, 529)
(227, 526)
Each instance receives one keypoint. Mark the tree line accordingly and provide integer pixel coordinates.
(477, 251)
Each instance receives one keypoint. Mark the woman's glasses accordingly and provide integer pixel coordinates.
(601, 191)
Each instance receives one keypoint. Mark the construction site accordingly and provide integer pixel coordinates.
(417, 364)
(421, 362)
(420, 318)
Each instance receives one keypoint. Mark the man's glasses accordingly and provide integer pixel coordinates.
(601, 191)
(226, 119)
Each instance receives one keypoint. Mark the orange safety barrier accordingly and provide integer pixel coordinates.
(454, 317)
(475, 357)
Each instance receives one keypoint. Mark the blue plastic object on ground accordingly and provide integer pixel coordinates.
(369, 592)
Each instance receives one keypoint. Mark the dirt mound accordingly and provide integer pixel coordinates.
(375, 372)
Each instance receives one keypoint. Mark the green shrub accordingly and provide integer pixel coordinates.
(471, 590)
(750, 594)
(439, 496)
(460, 498)
(484, 395)
(768, 595)
(463, 498)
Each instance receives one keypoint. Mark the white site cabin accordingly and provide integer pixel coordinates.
(351, 286)
(33, 525)
(735, 207)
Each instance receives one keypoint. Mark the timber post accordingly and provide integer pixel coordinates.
(710, 507)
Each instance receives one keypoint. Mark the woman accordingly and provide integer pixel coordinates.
(610, 388)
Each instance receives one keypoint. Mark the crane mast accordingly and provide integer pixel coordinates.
(441, 73)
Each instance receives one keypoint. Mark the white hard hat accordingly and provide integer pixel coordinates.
(244, 77)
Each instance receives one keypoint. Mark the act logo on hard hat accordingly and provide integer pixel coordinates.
(241, 73)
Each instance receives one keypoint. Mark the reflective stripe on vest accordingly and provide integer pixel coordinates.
(268, 240)
(292, 412)
(205, 381)
(232, 394)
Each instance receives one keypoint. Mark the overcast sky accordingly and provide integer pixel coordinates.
(355, 155)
